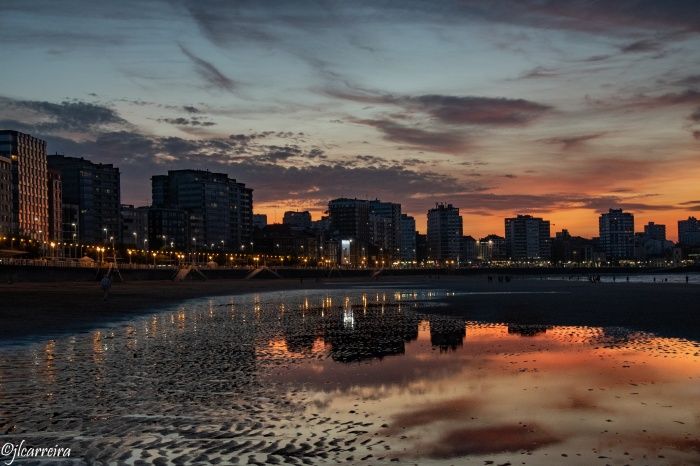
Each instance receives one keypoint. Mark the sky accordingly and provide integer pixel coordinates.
(560, 109)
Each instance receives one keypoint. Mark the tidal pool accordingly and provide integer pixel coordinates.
(359, 377)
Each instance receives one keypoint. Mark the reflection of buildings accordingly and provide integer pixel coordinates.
(447, 334)
(527, 330)
(367, 332)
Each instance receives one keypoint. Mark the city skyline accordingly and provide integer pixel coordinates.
(555, 110)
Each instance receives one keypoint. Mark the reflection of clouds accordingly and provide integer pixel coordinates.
(487, 440)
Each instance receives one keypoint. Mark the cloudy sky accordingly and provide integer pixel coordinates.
(556, 108)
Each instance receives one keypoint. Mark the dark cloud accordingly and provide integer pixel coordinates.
(181, 121)
(642, 46)
(696, 135)
(49, 117)
(540, 72)
(695, 116)
(449, 142)
(191, 109)
(209, 72)
(572, 142)
(455, 109)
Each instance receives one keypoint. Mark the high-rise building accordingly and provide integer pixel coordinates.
(297, 220)
(689, 232)
(30, 197)
(527, 238)
(491, 247)
(55, 205)
(655, 231)
(444, 232)
(94, 190)
(349, 219)
(219, 209)
(388, 221)
(617, 234)
(407, 245)
(6, 227)
(567, 248)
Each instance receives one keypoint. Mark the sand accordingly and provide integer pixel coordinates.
(31, 310)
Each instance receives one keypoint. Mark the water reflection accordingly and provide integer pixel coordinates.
(353, 377)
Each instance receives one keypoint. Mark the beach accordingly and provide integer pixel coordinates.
(670, 309)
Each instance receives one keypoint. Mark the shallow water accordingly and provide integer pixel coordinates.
(355, 377)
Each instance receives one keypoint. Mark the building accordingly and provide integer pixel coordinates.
(655, 232)
(55, 205)
(527, 238)
(387, 216)
(30, 196)
(617, 234)
(259, 221)
(134, 226)
(444, 233)
(689, 232)
(407, 243)
(6, 225)
(491, 247)
(219, 209)
(349, 224)
(297, 220)
(91, 199)
(469, 249)
(167, 228)
(567, 248)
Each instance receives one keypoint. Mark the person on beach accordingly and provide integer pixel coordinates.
(105, 284)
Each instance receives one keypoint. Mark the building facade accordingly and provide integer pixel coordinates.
(6, 225)
(55, 205)
(134, 226)
(616, 229)
(297, 220)
(387, 216)
(94, 190)
(689, 232)
(527, 238)
(219, 209)
(30, 196)
(655, 231)
(444, 233)
(407, 244)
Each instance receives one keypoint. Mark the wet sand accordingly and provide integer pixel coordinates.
(47, 309)
(360, 375)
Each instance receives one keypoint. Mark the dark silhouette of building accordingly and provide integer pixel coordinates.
(297, 220)
(385, 228)
(407, 243)
(655, 231)
(219, 209)
(444, 233)
(617, 234)
(491, 247)
(689, 232)
(421, 247)
(567, 248)
(55, 205)
(259, 221)
(468, 249)
(30, 197)
(527, 238)
(95, 191)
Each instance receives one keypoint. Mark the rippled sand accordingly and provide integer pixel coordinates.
(351, 377)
